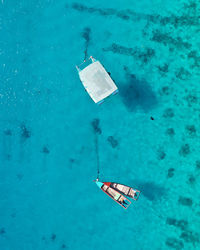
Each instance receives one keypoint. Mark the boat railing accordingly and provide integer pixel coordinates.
(85, 63)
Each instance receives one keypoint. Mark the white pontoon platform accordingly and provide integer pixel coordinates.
(96, 80)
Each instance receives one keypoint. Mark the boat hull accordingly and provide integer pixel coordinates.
(96, 81)
(114, 194)
(125, 190)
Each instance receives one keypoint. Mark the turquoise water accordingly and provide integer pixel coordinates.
(48, 150)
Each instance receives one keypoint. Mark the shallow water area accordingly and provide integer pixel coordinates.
(147, 135)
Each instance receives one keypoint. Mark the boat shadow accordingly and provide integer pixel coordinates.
(137, 93)
(150, 190)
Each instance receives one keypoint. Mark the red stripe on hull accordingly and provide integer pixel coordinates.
(107, 183)
(116, 200)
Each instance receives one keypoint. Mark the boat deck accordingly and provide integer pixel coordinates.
(97, 81)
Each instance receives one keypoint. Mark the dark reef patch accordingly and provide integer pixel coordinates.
(170, 132)
(191, 7)
(86, 35)
(7, 145)
(123, 15)
(127, 14)
(8, 132)
(185, 201)
(191, 99)
(71, 160)
(170, 172)
(182, 74)
(2, 231)
(184, 150)
(190, 237)
(53, 237)
(102, 12)
(20, 176)
(137, 93)
(165, 91)
(144, 55)
(197, 164)
(161, 154)
(25, 133)
(168, 113)
(163, 69)
(113, 142)
(191, 130)
(196, 58)
(45, 150)
(174, 243)
(191, 179)
(184, 20)
(63, 246)
(7, 157)
(95, 125)
(119, 49)
(182, 224)
(13, 215)
(166, 39)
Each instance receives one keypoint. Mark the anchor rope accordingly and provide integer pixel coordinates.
(97, 155)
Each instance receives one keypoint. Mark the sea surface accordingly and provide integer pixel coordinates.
(52, 135)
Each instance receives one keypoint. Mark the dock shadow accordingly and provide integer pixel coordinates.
(137, 94)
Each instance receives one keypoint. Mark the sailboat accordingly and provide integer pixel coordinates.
(118, 192)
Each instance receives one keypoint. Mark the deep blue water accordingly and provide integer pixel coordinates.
(48, 155)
